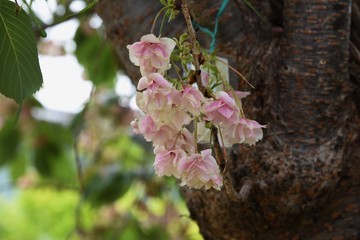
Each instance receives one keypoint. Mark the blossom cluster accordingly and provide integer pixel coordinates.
(168, 112)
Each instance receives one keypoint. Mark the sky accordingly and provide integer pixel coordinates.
(64, 87)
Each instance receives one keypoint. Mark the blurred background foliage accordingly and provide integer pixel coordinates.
(83, 175)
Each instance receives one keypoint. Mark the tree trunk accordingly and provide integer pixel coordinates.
(302, 180)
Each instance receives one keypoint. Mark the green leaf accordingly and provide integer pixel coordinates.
(97, 56)
(84, 10)
(51, 158)
(107, 185)
(10, 139)
(20, 74)
(183, 37)
(18, 166)
(163, 2)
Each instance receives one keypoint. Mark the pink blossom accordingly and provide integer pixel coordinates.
(153, 80)
(168, 110)
(164, 136)
(182, 139)
(245, 131)
(241, 95)
(147, 127)
(166, 161)
(135, 126)
(160, 135)
(175, 118)
(252, 130)
(140, 101)
(159, 99)
(185, 141)
(203, 133)
(157, 93)
(153, 132)
(222, 110)
(152, 54)
(231, 134)
(204, 78)
(200, 170)
(190, 99)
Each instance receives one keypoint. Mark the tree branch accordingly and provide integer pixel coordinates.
(193, 42)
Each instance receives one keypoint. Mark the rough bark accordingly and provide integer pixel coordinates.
(302, 180)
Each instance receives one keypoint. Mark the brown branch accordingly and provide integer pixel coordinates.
(219, 156)
(193, 41)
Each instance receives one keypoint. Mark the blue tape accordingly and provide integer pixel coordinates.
(213, 33)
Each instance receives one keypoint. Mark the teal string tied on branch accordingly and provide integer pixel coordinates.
(213, 33)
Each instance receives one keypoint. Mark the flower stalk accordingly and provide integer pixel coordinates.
(193, 43)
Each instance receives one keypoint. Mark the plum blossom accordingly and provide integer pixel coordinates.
(169, 110)
(252, 130)
(204, 78)
(152, 132)
(140, 101)
(160, 100)
(135, 126)
(185, 141)
(222, 110)
(153, 80)
(191, 99)
(232, 134)
(151, 54)
(245, 131)
(175, 118)
(146, 126)
(203, 133)
(166, 161)
(164, 136)
(200, 170)
(157, 93)
(241, 95)
(179, 140)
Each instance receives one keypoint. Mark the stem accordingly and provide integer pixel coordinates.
(194, 50)
(217, 148)
(87, 10)
(237, 72)
(176, 138)
(155, 20)
(32, 14)
(58, 21)
(177, 70)
(238, 102)
(223, 144)
(162, 24)
(18, 113)
(195, 134)
(254, 9)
